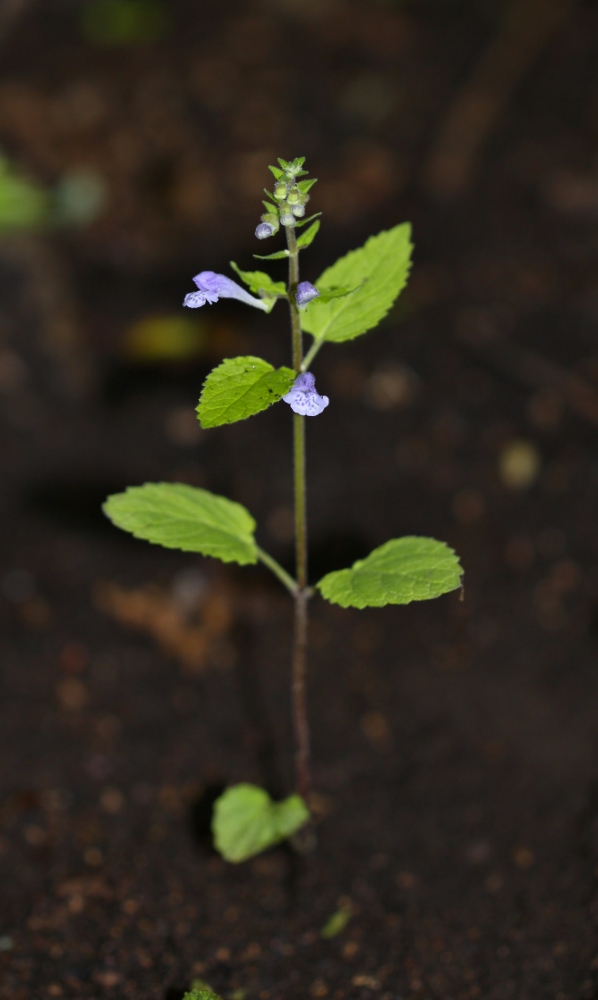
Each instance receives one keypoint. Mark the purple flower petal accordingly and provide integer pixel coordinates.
(305, 293)
(303, 398)
(214, 286)
(264, 230)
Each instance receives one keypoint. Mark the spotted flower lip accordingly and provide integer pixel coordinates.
(305, 293)
(303, 398)
(214, 286)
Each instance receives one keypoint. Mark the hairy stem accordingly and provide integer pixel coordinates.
(301, 594)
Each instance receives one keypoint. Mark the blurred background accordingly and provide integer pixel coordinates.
(455, 743)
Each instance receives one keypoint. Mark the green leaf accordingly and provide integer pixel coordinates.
(305, 186)
(246, 821)
(283, 163)
(183, 517)
(277, 172)
(272, 256)
(261, 283)
(298, 161)
(303, 222)
(308, 236)
(240, 387)
(270, 207)
(380, 268)
(400, 571)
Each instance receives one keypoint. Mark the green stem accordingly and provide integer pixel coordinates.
(278, 571)
(301, 593)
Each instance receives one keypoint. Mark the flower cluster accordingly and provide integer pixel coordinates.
(290, 197)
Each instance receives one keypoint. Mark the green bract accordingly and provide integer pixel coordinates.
(261, 283)
(272, 256)
(380, 268)
(400, 571)
(183, 517)
(308, 236)
(246, 821)
(240, 387)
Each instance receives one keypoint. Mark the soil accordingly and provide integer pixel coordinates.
(454, 743)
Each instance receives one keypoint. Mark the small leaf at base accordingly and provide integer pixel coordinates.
(398, 572)
(246, 821)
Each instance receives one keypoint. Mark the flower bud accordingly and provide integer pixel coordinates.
(264, 230)
(269, 226)
(294, 197)
(286, 215)
(305, 293)
(299, 211)
(280, 191)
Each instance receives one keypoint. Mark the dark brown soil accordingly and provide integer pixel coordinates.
(455, 743)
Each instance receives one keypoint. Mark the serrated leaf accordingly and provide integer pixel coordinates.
(303, 222)
(246, 821)
(305, 186)
(183, 517)
(381, 268)
(398, 572)
(272, 256)
(239, 388)
(277, 172)
(259, 282)
(308, 236)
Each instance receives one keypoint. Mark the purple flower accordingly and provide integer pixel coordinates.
(303, 398)
(214, 286)
(264, 230)
(305, 293)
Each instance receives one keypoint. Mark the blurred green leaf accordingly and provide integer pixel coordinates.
(201, 994)
(23, 203)
(336, 923)
(164, 338)
(246, 821)
(79, 197)
(124, 22)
